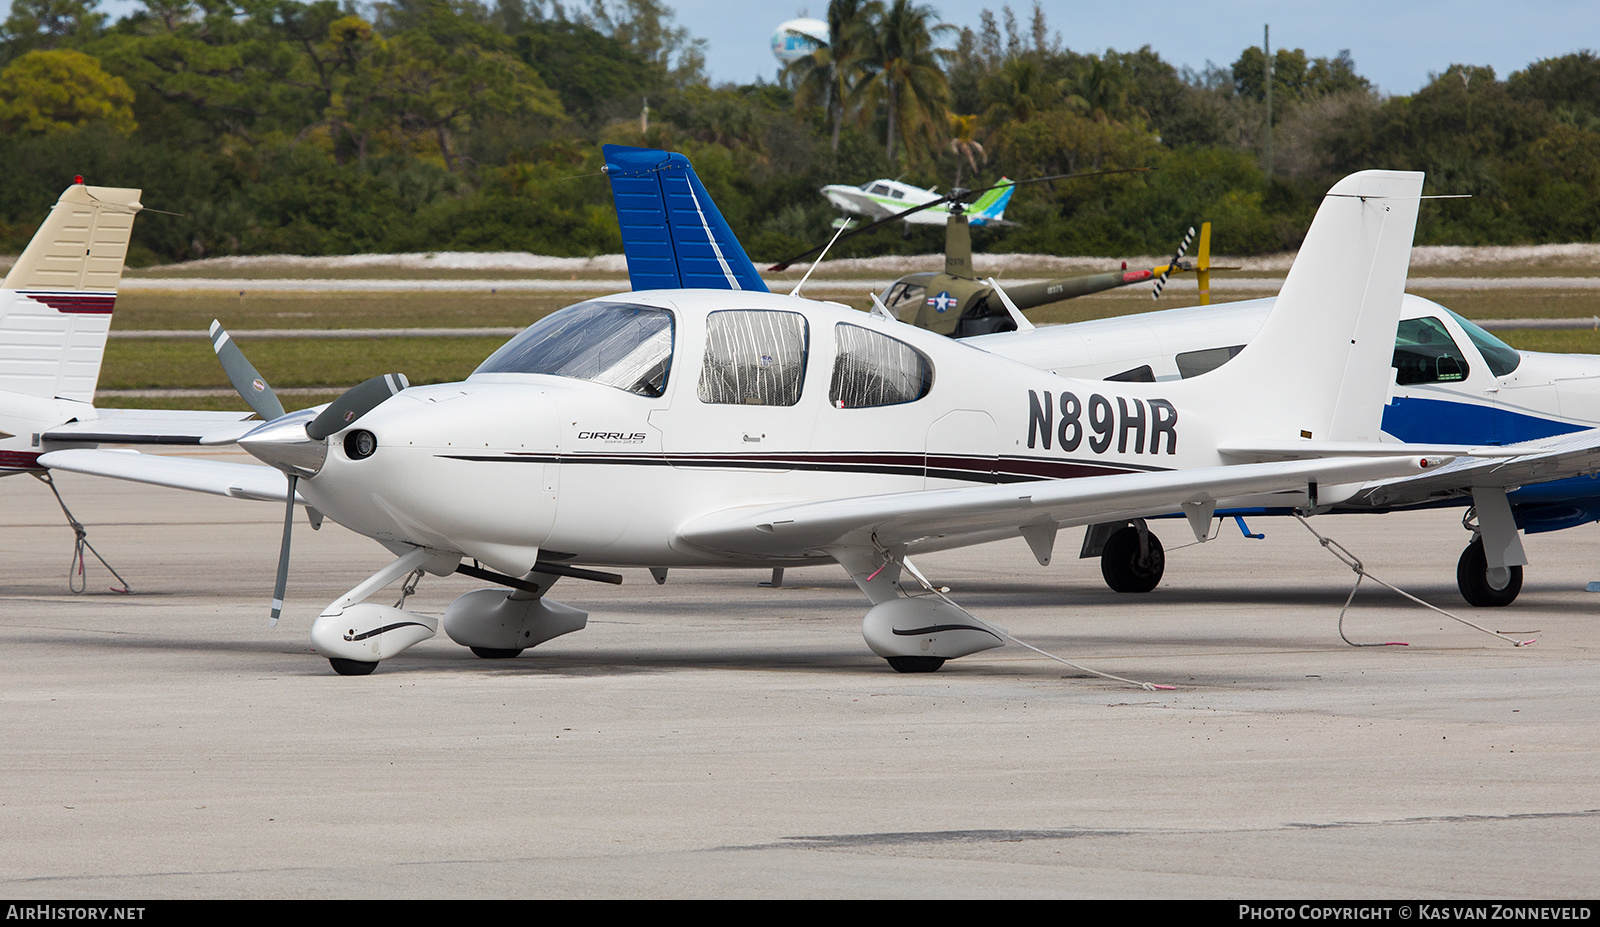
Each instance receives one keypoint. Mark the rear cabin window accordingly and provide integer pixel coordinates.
(1194, 363)
(1424, 352)
(871, 369)
(754, 357)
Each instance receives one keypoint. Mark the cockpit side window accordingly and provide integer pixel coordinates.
(1424, 352)
(1502, 358)
(904, 294)
(621, 345)
(871, 369)
(754, 357)
(879, 189)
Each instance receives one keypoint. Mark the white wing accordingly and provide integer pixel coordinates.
(1577, 454)
(940, 518)
(217, 477)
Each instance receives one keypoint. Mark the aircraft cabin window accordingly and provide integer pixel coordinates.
(880, 189)
(1502, 358)
(1424, 352)
(1141, 374)
(1194, 363)
(875, 370)
(754, 357)
(622, 345)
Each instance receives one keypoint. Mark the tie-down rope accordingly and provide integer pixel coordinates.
(76, 581)
(1353, 562)
(1005, 633)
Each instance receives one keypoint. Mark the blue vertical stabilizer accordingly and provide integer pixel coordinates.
(673, 235)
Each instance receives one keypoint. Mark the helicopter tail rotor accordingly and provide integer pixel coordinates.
(1187, 238)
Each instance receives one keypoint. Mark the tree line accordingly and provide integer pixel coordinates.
(280, 126)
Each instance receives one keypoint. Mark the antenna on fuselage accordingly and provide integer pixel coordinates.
(796, 291)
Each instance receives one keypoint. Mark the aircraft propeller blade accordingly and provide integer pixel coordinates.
(248, 383)
(282, 583)
(357, 401)
(956, 195)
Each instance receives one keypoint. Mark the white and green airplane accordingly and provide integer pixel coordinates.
(882, 199)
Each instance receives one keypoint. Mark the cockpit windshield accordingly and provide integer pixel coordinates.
(1502, 358)
(623, 345)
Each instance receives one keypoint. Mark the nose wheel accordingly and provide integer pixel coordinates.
(1132, 560)
(915, 664)
(1481, 586)
(352, 667)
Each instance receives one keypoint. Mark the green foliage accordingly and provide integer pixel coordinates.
(50, 92)
(324, 128)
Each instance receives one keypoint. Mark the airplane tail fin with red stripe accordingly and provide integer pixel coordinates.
(56, 301)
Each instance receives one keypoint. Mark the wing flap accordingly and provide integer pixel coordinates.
(930, 516)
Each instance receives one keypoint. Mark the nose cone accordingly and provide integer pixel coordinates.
(467, 467)
(283, 443)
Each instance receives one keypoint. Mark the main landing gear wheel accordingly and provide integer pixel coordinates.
(1472, 578)
(915, 664)
(1123, 568)
(496, 653)
(352, 667)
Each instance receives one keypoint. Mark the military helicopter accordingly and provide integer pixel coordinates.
(958, 303)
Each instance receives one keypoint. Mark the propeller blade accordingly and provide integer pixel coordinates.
(1187, 237)
(282, 583)
(356, 402)
(249, 384)
(955, 195)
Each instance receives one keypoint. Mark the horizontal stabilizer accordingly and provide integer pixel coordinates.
(146, 426)
(673, 235)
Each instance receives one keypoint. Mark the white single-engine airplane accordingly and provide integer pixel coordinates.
(718, 427)
(1453, 384)
(880, 199)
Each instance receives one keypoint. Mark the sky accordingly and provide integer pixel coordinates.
(1396, 44)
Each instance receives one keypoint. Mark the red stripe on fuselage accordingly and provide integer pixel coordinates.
(19, 460)
(78, 303)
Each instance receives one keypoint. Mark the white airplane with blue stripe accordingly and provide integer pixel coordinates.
(1455, 383)
(881, 199)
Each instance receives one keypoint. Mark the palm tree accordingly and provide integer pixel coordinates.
(905, 76)
(964, 143)
(829, 74)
